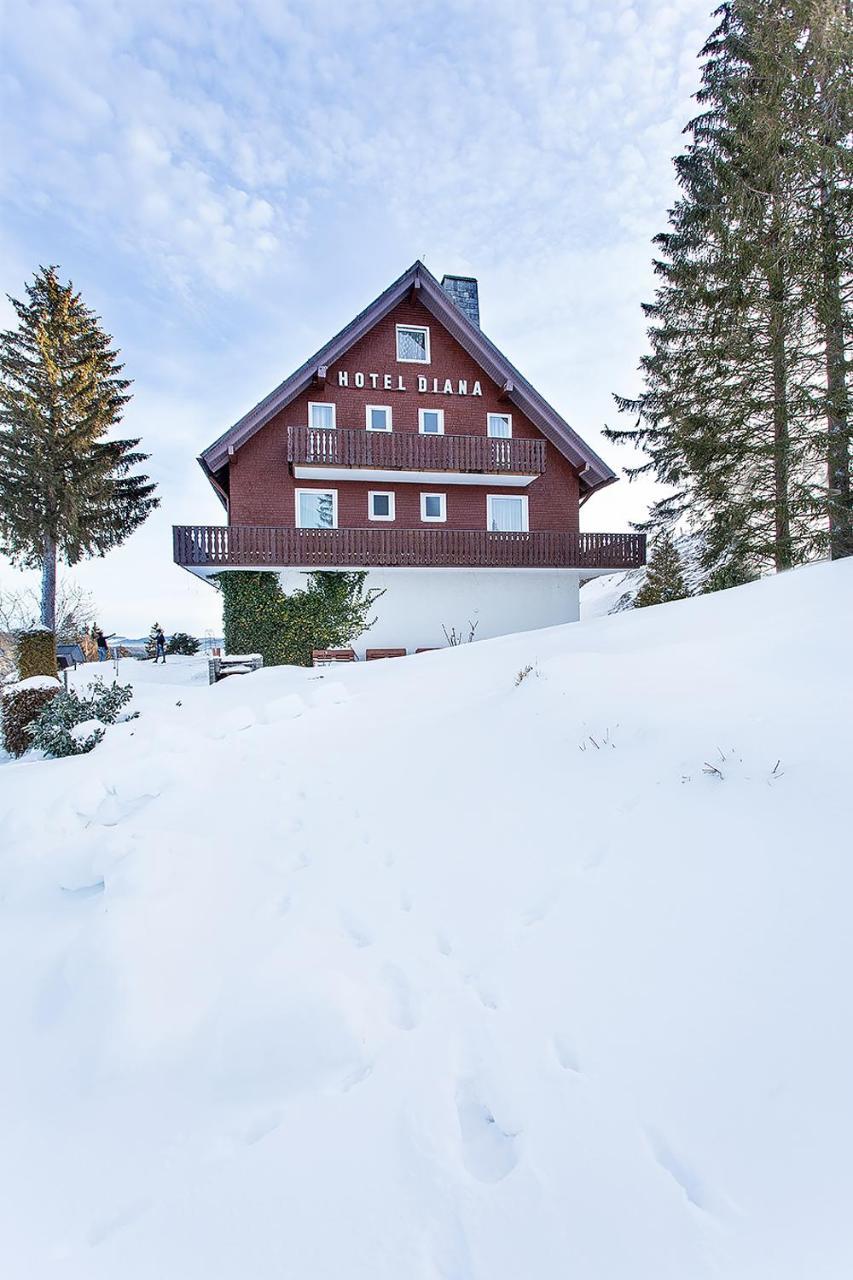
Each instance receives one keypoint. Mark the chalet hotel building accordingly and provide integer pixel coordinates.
(409, 446)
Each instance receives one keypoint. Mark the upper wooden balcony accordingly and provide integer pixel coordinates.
(339, 453)
(207, 548)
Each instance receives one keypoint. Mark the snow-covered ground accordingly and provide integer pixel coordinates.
(421, 970)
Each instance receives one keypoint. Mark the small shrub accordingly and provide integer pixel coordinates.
(21, 707)
(454, 637)
(57, 730)
(151, 642)
(182, 644)
(36, 653)
(523, 673)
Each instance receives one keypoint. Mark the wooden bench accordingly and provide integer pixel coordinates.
(372, 654)
(430, 648)
(331, 657)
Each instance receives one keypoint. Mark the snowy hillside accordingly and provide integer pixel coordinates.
(426, 970)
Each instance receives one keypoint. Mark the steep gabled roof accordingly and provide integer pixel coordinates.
(594, 472)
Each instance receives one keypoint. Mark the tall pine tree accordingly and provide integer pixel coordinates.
(65, 489)
(744, 412)
(823, 136)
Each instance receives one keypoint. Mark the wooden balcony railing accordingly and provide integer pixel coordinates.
(258, 547)
(410, 451)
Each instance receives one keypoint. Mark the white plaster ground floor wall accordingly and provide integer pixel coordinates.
(420, 605)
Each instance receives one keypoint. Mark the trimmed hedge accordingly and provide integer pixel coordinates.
(36, 653)
(21, 708)
(259, 618)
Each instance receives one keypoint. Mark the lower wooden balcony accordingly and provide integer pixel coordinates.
(206, 548)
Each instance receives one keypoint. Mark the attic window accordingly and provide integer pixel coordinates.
(412, 344)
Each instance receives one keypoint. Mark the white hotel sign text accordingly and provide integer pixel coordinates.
(396, 382)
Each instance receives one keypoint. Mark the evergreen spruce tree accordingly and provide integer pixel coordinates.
(745, 406)
(664, 575)
(824, 126)
(65, 490)
(151, 642)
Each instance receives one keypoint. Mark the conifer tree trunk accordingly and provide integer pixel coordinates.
(837, 408)
(48, 584)
(782, 550)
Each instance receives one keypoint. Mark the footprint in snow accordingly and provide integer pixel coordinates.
(443, 944)
(484, 992)
(84, 890)
(566, 1055)
(405, 900)
(403, 1002)
(261, 1127)
(489, 1152)
(677, 1168)
(123, 1217)
(358, 935)
(357, 1076)
(536, 913)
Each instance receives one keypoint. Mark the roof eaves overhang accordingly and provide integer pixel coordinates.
(218, 487)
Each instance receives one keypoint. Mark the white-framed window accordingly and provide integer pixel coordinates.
(321, 416)
(506, 513)
(377, 417)
(380, 504)
(316, 508)
(499, 425)
(431, 422)
(434, 508)
(413, 343)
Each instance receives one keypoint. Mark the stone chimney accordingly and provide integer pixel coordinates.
(463, 291)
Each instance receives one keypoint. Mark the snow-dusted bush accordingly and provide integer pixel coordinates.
(71, 725)
(183, 644)
(22, 703)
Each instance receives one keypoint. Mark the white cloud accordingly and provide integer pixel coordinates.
(230, 182)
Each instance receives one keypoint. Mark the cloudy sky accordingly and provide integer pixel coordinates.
(229, 181)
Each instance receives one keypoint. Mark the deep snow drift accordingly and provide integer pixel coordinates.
(419, 970)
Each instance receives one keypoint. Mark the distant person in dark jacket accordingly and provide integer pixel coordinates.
(101, 642)
(160, 646)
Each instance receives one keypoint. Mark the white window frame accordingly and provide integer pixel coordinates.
(440, 519)
(386, 409)
(420, 328)
(327, 404)
(503, 416)
(381, 493)
(298, 493)
(440, 431)
(525, 511)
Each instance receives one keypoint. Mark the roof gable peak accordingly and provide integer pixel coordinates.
(419, 282)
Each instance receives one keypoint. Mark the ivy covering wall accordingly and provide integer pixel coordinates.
(258, 616)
